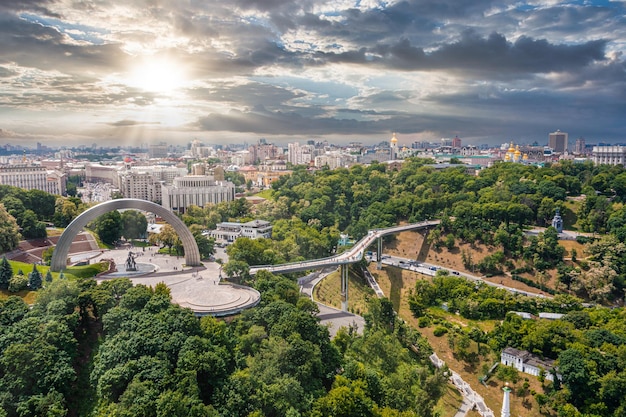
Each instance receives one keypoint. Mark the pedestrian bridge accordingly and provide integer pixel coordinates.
(353, 255)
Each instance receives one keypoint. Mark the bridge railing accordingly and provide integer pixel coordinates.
(346, 257)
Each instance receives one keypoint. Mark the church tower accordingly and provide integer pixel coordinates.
(394, 147)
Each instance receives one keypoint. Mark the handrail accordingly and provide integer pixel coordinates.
(353, 255)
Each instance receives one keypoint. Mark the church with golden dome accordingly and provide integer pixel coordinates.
(515, 155)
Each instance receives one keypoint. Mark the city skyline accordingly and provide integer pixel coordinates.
(145, 71)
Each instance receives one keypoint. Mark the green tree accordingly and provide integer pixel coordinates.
(41, 202)
(9, 231)
(168, 237)
(48, 277)
(6, 272)
(34, 279)
(576, 376)
(206, 245)
(109, 227)
(31, 227)
(237, 269)
(15, 207)
(345, 399)
(134, 224)
(64, 212)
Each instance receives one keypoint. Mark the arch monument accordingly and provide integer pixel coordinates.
(59, 257)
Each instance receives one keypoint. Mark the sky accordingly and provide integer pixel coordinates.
(137, 72)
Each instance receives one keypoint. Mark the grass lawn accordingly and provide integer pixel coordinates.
(267, 194)
(329, 292)
(73, 272)
(449, 404)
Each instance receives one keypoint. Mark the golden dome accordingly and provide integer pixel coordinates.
(394, 139)
(517, 151)
(512, 148)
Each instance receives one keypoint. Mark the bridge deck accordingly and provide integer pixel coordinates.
(355, 254)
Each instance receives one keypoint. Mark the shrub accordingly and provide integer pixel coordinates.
(440, 331)
(423, 322)
(582, 239)
(18, 282)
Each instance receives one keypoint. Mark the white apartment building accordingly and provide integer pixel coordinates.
(332, 160)
(609, 155)
(197, 190)
(35, 177)
(300, 154)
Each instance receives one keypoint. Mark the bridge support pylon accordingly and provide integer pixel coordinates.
(379, 253)
(344, 287)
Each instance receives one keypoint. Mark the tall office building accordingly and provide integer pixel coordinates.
(579, 148)
(158, 150)
(558, 141)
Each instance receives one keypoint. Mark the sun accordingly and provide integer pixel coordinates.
(157, 75)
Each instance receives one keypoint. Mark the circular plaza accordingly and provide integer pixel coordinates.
(198, 288)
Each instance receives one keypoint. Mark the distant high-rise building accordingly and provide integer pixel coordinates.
(158, 151)
(263, 151)
(456, 142)
(558, 141)
(579, 147)
(300, 154)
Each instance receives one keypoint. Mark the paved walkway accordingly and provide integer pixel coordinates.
(197, 288)
(332, 317)
(471, 398)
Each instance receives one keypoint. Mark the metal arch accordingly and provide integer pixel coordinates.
(59, 257)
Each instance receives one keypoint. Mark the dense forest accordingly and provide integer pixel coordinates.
(120, 350)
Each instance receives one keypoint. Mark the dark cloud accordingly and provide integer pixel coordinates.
(525, 55)
(249, 94)
(34, 6)
(33, 45)
(493, 55)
